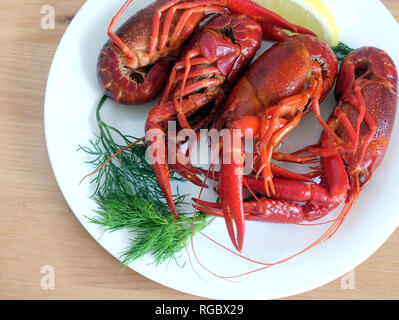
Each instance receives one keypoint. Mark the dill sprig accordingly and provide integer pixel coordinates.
(341, 50)
(128, 197)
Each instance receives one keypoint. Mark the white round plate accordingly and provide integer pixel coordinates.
(71, 97)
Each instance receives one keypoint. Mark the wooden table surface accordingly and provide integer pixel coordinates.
(38, 228)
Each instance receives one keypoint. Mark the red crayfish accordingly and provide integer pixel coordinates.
(366, 91)
(197, 88)
(288, 80)
(134, 65)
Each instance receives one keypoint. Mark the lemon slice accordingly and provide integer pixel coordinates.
(311, 14)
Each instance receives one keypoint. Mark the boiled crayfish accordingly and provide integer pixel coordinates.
(366, 92)
(197, 88)
(289, 79)
(134, 65)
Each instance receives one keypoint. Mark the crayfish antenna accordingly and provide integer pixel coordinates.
(337, 223)
(112, 157)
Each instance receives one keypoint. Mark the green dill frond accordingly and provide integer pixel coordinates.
(341, 50)
(128, 197)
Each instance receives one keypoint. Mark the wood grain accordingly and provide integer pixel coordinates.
(38, 228)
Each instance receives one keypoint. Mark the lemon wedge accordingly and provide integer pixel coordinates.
(311, 14)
